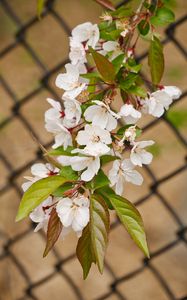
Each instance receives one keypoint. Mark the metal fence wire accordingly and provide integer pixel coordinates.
(180, 235)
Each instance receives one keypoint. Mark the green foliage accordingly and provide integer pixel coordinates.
(117, 62)
(177, 117)
(163, 17)
(53, 231)
(93, 242)
(69, 173)
(156, 60)
(130, 218)
(107, 158)
(143, 27)
(59, 192)
(98, 181)
(84, 251)
(128, 81)
(99, 228)
(37, 193)
(155, 149)
(60, 151)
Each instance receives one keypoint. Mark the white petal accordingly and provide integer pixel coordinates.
(39, 170)
(173, 91)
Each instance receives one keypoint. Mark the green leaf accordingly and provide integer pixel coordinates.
(106, 192)
(117, 62)
(40, 6)
(106, 4)
(156, 60)
(138, 91)
(85, 252)
(104, 66)
(37, 193)
(122, 11)
(60, 151)
(131, 219)
(110, 35)
(99, 181)
(163, 17)
(59, 192)
(90, 75)
(129, 80)
(53, 231)
(143, 27)
(69, 173)
(108, 158)
(99, 227)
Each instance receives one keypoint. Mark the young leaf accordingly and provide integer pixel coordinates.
(106, 192)
(143, 27)
(107, 158)
(131, 219)
(37, 193)
(53, 231)
(138, 91)
(156, 60)
(99, 227)
(117, 62)
(69, 173)
(59, 192)
(40, 6)
(84, 251)
(104, 66)
(106, 3)
(129, 80)
(99, 181)
(60, 151)
(163, 17)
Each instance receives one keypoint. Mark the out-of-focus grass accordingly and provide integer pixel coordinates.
(155, 149)
(178, 118)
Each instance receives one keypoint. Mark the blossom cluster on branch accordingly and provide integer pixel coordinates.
(96, 123)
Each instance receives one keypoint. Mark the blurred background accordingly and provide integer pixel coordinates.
(32, 52)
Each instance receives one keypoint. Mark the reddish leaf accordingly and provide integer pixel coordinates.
(104, 66)
(106, 3)
(85, 252)
(53, 231)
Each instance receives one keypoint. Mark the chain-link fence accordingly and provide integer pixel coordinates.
(117, 284)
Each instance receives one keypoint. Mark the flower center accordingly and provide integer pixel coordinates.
(95, 139)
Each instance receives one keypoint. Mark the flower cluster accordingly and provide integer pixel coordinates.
(89, 130)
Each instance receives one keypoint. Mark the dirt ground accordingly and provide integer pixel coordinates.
(21, 262)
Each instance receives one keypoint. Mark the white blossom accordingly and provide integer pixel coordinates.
(41, 214)
(173, 91)
(139, 155)
(129, 135)
(77, 52)
(94, 137)
(122, 172)
(86, 32)
(61, 133)
(70, 82)
(156, 104)
(39, 171)
(72, 110)
(90, 162)
(101, 115)
(74, 213)
(54, 113)
(129, 114)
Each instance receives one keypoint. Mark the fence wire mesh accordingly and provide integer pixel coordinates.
(57, 269)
